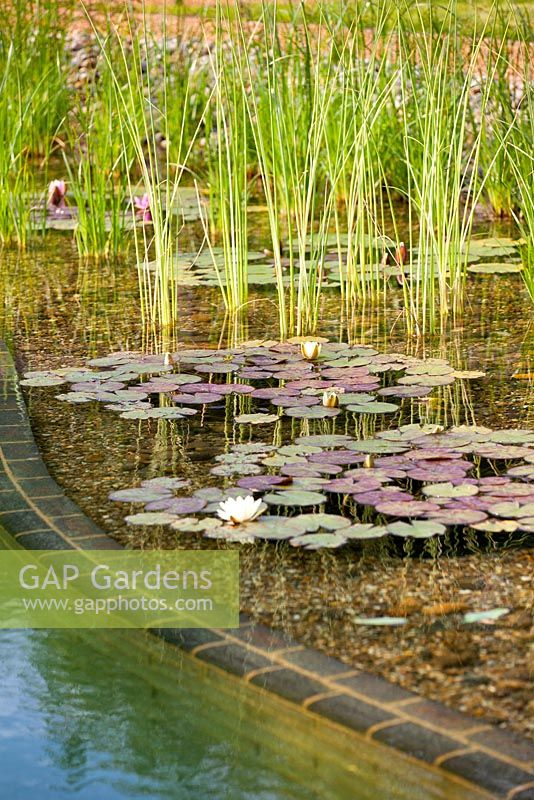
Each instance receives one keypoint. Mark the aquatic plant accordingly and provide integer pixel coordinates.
(442, 155)
(227, 140)
(237, 510)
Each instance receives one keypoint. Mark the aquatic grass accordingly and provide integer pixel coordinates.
(98, 163)
(288, 88)
(33, 103)
(355, 155)
(227, 144)
(144, 125)
(442, 154)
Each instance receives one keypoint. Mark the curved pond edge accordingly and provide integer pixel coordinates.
(39, 515)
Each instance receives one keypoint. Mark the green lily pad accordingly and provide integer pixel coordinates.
(378, 447)
(328, 522)
(495, 268)
(255, 419)
(150, 518)
(326, 440)
(373, 408)
(448, 490)
(512, 510)
(418, 529)
(295, 498)
(318, 541)
(43, 380)
(194, 525)
(365, 531)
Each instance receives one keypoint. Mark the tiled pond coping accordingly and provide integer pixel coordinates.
(38, 514)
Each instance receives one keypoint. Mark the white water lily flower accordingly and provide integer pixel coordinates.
(310, 350)
(237, 510)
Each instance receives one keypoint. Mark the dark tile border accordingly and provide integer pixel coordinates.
(36, 511)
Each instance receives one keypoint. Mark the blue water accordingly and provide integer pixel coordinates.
(110, 715)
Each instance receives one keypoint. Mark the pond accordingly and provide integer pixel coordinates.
(59, 313)
(120, 715)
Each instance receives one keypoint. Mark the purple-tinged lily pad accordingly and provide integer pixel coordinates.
(289, 401)
(262, 483)
(270, 392)
(377, 446)
(457, 516)
(177, 505)
(165, 483)
(414, 508)
(202, 398)
(340, 457)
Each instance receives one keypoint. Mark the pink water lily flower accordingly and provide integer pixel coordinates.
(142, 207)
(57, 191)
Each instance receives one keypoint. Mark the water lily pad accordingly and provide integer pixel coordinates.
(236, 468)
(313, 412)
(255, 419)
(262, 483)
(140, 495)
(377, 446)
(365, 531)
(495, 268)
(403, 509)
(326, 440)
(275, 528)
(177, 505)
(448, 490)
(373, 408)
(418, 529)
(150, 518)
(457, 516)
(194, 525)
(295, 498)
(41, 381)
(512, 510)
(165, 483)
(496, 526)
(318, 541)
(329, 522)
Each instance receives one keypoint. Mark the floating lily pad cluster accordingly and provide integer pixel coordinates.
(65, 218)
(278, 380)
(319, 489)
(205, 268)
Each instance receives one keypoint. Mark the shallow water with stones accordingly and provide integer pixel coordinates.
(317, 596)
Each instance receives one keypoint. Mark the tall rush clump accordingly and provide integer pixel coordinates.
(442, 155)
(143, 119)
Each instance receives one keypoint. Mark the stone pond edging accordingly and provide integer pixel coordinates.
(38, 514)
